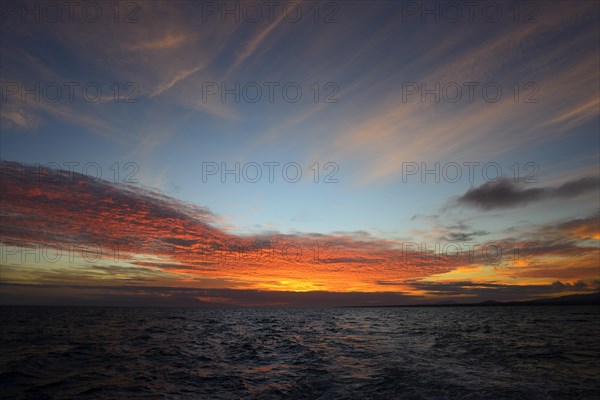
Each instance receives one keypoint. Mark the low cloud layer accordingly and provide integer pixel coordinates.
(117, 295)
(498, 291)
(60, 210)
(163, 242)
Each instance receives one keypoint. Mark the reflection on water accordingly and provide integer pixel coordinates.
(362, 353)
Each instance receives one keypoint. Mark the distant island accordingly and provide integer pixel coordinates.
(592, 299)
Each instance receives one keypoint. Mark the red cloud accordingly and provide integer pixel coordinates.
(60, 209)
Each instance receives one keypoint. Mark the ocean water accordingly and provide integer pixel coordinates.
(345, 353)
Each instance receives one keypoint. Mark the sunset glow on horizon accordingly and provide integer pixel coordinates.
(186, 158)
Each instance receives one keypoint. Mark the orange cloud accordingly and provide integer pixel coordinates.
(58, 209)
(182, 244)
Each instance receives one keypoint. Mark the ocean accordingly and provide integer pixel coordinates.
(336, 353)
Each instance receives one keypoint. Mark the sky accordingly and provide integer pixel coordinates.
(210, 153)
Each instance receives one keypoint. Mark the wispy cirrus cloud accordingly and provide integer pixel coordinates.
(392, 130)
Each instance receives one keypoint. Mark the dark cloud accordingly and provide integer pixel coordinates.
(463, 236)
(504, 193)
(180, 242)
(117, 295)
(54, 294)
(480, 291)
(579, 285)
(575, 188)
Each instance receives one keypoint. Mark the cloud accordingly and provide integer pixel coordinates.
(18, 117)
(59, 209)
(167, 42)
(388, 131)
(463, 236)
(253, 44)
(162, 241)
(575, 188)
(69, 294)
(504, 193)
(56, 294)
(586, 228)
(479, 291)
